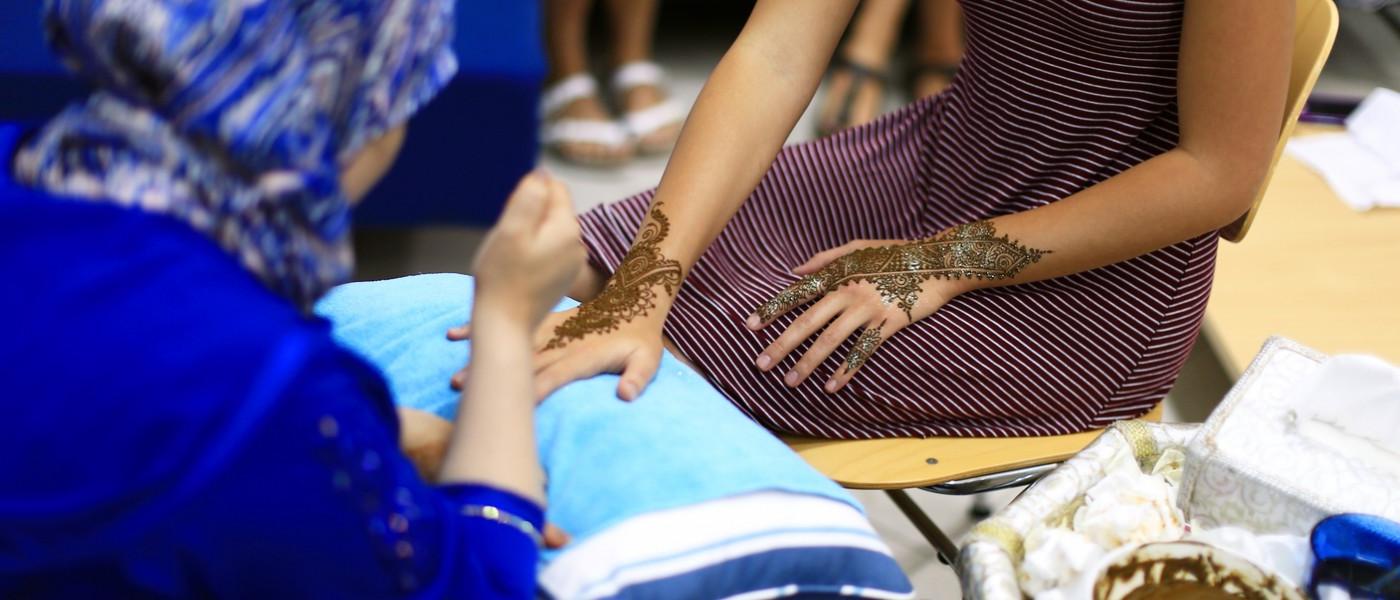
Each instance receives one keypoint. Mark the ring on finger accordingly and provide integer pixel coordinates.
(865, 346)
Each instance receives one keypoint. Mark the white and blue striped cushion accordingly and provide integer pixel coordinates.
(675, 495)
(759, 545)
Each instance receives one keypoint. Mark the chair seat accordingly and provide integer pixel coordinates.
(902, 463)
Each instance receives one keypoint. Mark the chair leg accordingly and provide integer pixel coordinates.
(980, 508)
(947, 550)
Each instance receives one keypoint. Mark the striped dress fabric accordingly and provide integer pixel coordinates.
(1052, 97)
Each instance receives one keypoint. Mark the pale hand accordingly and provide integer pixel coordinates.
(848, 306)
(424, 437)
(532, 254)
(634, 350)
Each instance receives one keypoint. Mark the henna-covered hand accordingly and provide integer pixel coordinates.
(620, 330)
(631, 292)
(880, 287)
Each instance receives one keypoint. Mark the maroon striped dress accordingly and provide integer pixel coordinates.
(1052, 96)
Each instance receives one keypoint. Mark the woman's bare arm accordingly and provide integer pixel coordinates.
(521, 271)
(744, 113)
(1232, 80)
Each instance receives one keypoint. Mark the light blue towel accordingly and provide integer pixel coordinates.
(606, 460)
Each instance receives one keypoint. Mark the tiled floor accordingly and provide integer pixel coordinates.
(387, 254)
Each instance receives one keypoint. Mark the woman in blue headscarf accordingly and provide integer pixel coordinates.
(175, 426)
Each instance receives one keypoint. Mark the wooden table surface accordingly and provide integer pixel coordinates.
(1310, 269)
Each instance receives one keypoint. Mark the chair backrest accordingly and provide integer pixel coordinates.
(1314, 28)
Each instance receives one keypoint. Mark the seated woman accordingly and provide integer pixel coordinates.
(1027, 253)
(213, 439)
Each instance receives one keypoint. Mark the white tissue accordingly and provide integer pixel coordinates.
(1129, 507)
(1352, 404)
(1125, 508)
(1287, 556)
(1361, 165)
(1170, 465)
(1054, 558)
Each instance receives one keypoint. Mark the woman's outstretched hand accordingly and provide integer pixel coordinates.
(531, 256)
(867, 289)
(528, 261)
(618, 331)
(634, 350)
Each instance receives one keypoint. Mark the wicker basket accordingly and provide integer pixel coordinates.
(1246, 466)
(991, 554)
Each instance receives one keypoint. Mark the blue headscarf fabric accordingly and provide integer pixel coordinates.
(236, 116)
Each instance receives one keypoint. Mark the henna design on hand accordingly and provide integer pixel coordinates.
(865, 346)
(631, 291)
(898, 271)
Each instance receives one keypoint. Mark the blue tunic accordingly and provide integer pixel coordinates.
(173, 428)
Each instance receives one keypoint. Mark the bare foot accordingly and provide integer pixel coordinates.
(867, 104)
(642, 97)
(589, 108)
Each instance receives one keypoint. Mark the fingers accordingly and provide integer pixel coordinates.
(641, 367)
(797, 294)
(830, 339)
(459, 379)
(571, 367)
(822, 259)
(460, 332)
(554, 537)
(559, 218)
(804, 327)
(527, 203)
(865, 346)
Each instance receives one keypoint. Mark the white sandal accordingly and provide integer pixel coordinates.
(644, 122)
(556, 131)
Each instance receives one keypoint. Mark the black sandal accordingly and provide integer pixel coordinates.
(859, 74)
(946, 70)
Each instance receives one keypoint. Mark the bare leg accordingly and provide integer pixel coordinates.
(940, 43)
(633, 24)
(873, 34)
(633, 27)
(566, 42)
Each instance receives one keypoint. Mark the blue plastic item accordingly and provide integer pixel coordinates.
(1358, 552)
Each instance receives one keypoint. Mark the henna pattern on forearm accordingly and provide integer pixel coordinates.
(631, 291)
(899, 271)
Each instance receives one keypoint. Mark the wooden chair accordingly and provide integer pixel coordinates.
(961, 466)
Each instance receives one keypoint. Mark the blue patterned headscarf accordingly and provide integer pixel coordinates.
(235, 116)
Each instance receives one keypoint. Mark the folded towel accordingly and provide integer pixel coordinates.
(681, 442)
